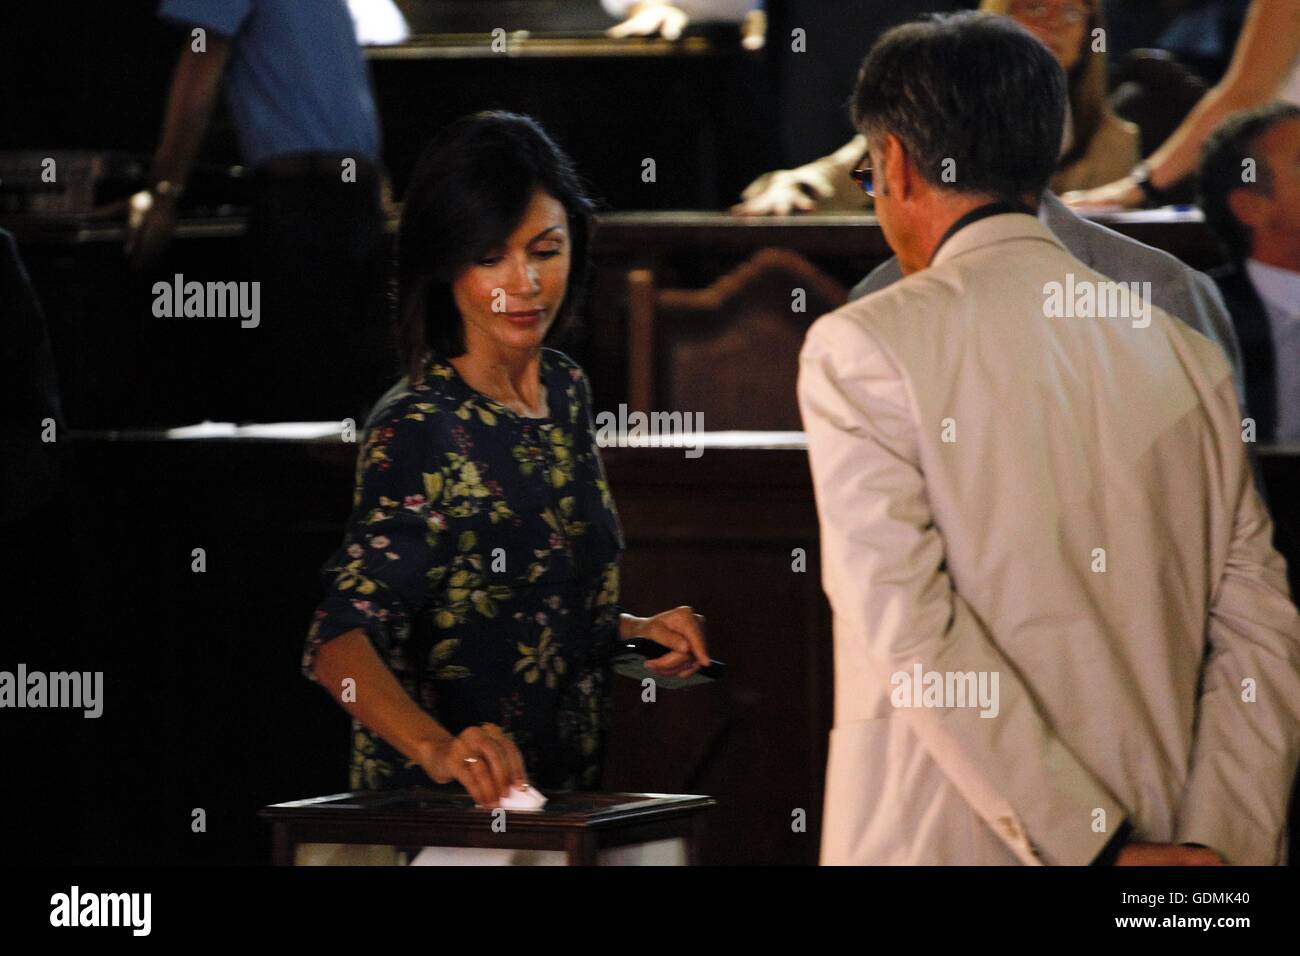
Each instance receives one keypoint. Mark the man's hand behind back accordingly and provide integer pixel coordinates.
(1167, 854)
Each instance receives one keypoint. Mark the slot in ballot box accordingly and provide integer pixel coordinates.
(579, 828)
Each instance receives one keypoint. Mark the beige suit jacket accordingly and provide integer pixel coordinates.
(1063, 503)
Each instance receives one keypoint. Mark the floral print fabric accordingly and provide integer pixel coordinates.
(482, 560)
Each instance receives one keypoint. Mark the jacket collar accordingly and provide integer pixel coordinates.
(975, 215)
(991, 230)
(1054, 213)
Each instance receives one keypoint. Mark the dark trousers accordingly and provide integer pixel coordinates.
(323, 348)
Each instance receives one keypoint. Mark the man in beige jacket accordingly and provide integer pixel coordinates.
(1062, 634)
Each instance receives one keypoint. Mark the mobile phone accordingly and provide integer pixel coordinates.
(652, 649)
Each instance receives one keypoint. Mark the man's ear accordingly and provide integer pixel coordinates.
(898, 172)
(1249, 206)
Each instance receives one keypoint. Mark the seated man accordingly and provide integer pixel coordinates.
(1250, 191)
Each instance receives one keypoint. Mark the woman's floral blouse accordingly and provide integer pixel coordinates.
(481, 559)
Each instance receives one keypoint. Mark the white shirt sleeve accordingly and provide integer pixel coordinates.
(378, 22)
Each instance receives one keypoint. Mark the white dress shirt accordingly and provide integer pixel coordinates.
(378, 22)
(1279, 290)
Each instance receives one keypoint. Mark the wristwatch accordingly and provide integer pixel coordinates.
(1141, 176)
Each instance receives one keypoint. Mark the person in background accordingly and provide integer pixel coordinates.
(1259, 221)
(1096, 145)
(1058, 508)
(300, 97)
(1265, 67)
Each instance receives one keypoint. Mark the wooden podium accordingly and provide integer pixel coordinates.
(580, 824)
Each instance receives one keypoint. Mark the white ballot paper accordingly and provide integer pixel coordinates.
(657, 853)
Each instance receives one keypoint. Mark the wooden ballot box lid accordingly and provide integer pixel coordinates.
(437, 809)
(581, 824)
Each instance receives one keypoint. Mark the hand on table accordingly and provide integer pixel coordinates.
(784, 192)
(650, 18)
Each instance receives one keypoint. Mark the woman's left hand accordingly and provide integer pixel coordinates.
(680, 629)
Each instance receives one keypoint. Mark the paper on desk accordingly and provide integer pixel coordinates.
(523, 798)
(519, 798)
(299, 431)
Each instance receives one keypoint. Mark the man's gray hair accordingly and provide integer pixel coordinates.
(976, 101)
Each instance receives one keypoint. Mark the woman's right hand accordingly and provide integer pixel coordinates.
(651, 18)
(483, 759)
(150, 224)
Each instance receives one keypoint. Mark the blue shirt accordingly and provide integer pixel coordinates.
(296, 80)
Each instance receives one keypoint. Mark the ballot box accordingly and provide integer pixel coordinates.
(398, 825)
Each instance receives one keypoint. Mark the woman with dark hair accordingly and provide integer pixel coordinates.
(473, 604)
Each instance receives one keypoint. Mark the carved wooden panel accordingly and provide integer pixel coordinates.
(730, 350)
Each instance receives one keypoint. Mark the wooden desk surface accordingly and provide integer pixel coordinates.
(1181, 232)
(835, 233)
(523, 44)
(434, 808)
